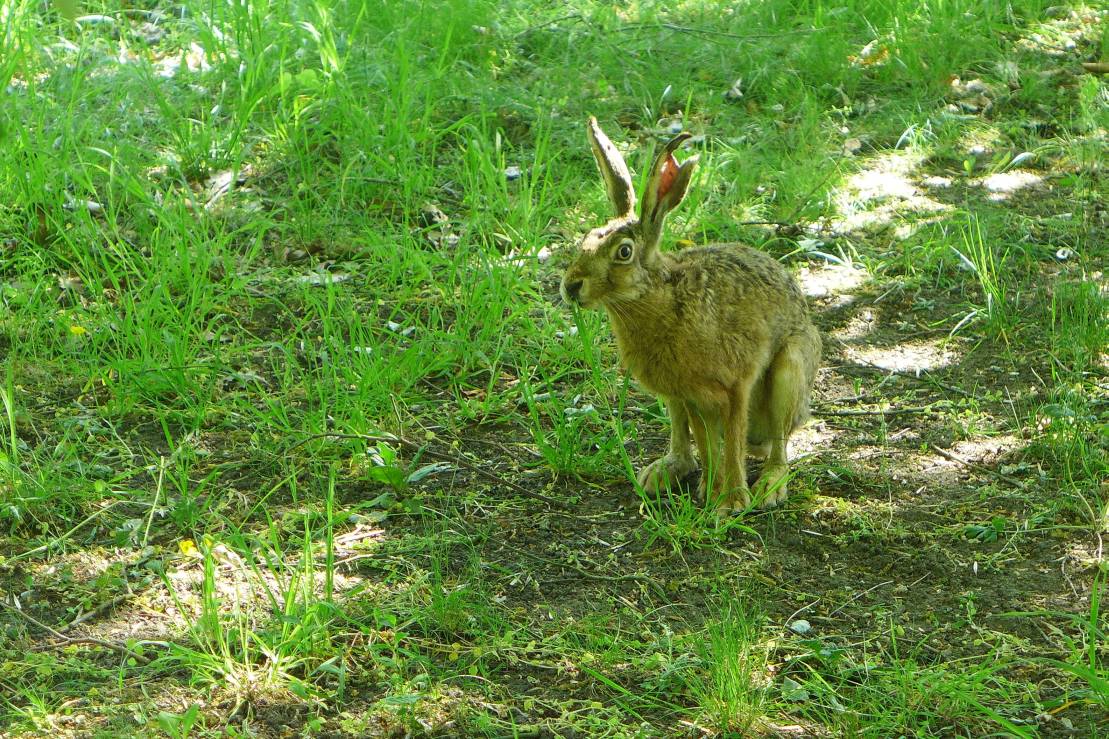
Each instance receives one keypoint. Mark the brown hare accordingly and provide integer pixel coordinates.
(720, 333)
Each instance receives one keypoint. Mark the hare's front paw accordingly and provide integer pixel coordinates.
(771, 490)
(668, 470)
(736, 501)
(725, 499)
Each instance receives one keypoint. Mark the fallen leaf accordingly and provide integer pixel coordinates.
(323, 278)
(432, 215)
(800, 626)
(872, 54)
(792, 691)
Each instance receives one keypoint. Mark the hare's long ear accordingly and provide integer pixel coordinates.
(665, 188)
(618, 181)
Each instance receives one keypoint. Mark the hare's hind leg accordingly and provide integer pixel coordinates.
(679, 461)
(788, 381)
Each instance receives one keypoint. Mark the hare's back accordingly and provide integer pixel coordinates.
(724, 273)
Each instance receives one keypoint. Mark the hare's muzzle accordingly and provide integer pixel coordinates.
(571, 291)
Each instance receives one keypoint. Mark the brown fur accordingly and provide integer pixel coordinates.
(721, 333)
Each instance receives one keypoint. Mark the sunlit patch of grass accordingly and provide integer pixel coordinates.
(732, 685)
(673, 515)
(1080, 326)
(455, 604)
(899, 688)
(572, 438)
(1073, 442)
(236, 644)
(987, 261)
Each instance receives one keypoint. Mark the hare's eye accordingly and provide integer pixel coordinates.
(624, 251)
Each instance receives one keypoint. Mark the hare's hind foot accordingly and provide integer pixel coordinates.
(665, 471)
(771, 489)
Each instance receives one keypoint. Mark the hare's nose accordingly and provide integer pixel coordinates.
(573, 290)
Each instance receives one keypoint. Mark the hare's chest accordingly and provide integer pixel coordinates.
(661, 366)
(688, 365)
(653, 373)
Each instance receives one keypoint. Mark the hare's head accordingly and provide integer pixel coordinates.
(615, 260)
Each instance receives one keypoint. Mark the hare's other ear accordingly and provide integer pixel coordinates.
(618, 181)
(665, 188)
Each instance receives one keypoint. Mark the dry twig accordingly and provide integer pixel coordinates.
(713, 32)
(975, 466)
(593, 575)
(878, 412)
(114, 646)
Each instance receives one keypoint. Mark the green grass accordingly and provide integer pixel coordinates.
(731, 688)
(287, 391)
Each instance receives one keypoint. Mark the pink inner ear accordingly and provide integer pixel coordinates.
(667, 175)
